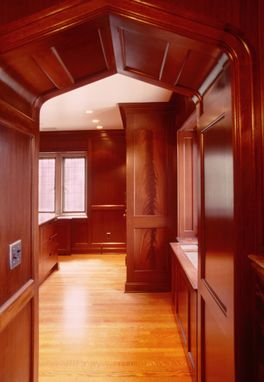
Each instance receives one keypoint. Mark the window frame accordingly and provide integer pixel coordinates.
(59, 180)
(53, 211)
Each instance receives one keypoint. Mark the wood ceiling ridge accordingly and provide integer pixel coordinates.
(50, 58)
(164, 59)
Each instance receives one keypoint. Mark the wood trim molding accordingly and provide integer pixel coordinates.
(16, 303)
(12, 118)
(140, 287)
(108, 206)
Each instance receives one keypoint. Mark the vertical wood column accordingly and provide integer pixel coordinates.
(148, 205)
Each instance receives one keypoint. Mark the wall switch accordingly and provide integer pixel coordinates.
(15, 253)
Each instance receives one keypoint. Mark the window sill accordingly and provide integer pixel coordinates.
(72, 216)
(45, 217)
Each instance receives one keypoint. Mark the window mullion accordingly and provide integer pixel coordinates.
(59, 184)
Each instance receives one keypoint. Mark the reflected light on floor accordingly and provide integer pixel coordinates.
(75, 310)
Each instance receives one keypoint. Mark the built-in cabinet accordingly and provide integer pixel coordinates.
(150, 208)
(48, 249)
(184, 301)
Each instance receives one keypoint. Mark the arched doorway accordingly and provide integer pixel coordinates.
(25, 94)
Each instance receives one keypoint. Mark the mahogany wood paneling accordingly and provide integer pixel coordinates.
(15, 355)
(12, 307)
(108, 227)
(108, 169)
(226, 12)
(216, 362)
(23, 8)
(148, 213)
(104, 229)
(261, 106)
(257, 263)
(184, 304)
(48, 249)
(53, 64)
(15, 207)
(15, 91)
(229, 24)
(63, 229)
(187, 184)
(149, 244)
(80, 234)
(160, 56)
(150, 165)
(216, 237)
(18, 296)
(63, 141)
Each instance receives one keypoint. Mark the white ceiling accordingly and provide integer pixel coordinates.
(67, 111)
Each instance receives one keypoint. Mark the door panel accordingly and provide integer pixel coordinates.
(148, 131)
(218, 210)
(216, 273)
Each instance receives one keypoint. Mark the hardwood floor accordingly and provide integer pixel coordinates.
(90, 330)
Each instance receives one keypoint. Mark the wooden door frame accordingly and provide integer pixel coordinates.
(54, 19)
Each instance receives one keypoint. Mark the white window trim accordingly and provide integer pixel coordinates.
(59, 156)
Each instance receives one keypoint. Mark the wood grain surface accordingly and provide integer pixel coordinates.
(90, 330)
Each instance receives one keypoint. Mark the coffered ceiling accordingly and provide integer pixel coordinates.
(71, 57)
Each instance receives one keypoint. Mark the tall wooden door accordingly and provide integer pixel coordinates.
(148, 211)
(216, 271)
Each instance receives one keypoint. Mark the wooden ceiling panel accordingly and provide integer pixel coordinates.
(75, 55)
(64, 59)
(86, 50)
(142, 53)
(174, 63)
(50, 62)
(196, 68)
(25, 67)
(170, 60)
(84, 55)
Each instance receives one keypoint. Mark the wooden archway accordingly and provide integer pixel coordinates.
(31, 30)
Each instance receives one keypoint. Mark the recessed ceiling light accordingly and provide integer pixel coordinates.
(95, 120)
(89, 111)
(99, 127)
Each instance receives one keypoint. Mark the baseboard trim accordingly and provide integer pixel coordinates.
(139, 287)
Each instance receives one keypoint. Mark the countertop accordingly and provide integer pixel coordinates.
(187, 255)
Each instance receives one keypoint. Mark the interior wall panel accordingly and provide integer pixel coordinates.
(15, 207)
(104, 228)
(16, 342)
(217, 235)
(150, 163)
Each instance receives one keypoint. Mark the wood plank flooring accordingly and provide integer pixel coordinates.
(90, 330)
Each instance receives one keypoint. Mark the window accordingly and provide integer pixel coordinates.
(73, 184)
(47, 185)
(62, 183)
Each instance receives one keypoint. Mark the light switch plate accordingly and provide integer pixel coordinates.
(15, 254)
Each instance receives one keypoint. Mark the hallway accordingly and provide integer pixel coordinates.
(90, 330)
